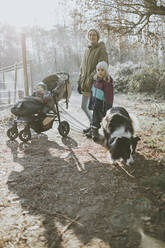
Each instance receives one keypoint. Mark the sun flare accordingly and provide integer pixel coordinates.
(21, 13)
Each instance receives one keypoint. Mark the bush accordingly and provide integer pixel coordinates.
(139, 78)
(122, 74)
(144, 80)
(161, 85)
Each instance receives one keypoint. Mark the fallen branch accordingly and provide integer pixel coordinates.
(95, 159)
(121, 167)
(66, 217)
(115, 165)
(79, 166)
(53, 245)
(61, 215)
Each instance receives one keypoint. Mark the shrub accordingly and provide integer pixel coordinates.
(144, 80)
(139, 78)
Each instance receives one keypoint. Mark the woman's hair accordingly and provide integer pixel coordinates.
(103, 65)
(96, 31)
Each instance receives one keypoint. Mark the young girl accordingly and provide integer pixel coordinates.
(101, 98)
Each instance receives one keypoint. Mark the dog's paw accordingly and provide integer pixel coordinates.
(109, 158)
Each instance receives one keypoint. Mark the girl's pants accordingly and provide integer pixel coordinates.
(84, 106)
(97, 118)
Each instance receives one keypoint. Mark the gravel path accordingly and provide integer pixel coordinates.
(63, 192)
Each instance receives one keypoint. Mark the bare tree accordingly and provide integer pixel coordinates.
(136, 14)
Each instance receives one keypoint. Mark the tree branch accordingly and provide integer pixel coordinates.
(125, 16)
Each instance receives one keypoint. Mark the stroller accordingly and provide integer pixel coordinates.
(29, 110)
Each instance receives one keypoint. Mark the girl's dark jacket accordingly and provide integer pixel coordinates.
(92, 56)
(101, 95)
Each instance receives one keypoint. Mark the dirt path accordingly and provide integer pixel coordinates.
(62, 192)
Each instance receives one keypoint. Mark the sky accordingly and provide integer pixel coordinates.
(44, 13)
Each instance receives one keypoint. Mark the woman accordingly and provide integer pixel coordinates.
(93, 54)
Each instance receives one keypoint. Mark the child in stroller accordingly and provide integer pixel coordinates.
(43, 95)
(38, 112)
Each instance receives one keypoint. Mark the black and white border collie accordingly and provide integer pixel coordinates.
(118, 135)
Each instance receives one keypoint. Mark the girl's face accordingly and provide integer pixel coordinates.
(40, 89)
(92, 36)
(101, 72)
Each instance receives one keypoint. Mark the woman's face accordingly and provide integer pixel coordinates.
(92, 36)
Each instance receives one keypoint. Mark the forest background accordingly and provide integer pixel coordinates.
(133, 32)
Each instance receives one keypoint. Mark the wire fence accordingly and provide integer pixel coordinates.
(12, 85)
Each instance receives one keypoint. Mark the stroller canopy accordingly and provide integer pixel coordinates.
(59, 85)
(51, 81)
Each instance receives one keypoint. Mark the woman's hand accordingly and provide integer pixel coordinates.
(79, 89)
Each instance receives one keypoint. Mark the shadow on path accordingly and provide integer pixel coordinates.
(51, 186)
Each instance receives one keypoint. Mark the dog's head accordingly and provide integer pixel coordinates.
(123, 148)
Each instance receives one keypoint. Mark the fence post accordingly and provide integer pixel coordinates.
(9, 97)
(26, 85)
(31, 76)
(3, 84)
(15, 83)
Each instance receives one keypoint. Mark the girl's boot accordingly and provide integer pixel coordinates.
(95, 133)
(89, 133)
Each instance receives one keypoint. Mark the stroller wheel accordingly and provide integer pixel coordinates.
(64, 128)
(12, 133)
(25, 135)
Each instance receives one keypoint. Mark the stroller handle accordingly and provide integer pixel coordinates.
(63, 75)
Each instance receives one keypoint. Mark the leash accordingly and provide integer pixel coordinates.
(72, 120)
